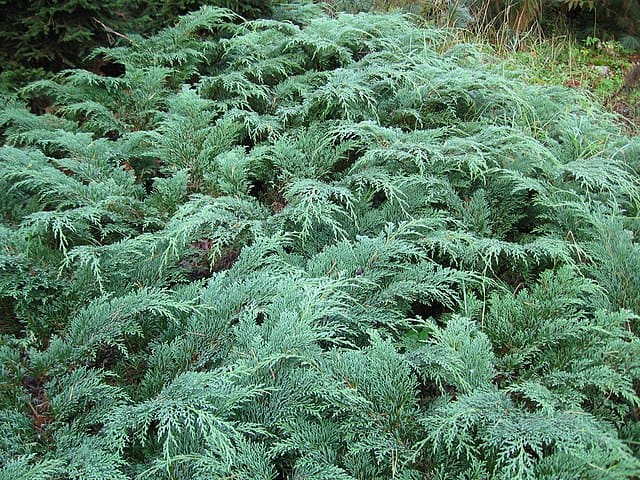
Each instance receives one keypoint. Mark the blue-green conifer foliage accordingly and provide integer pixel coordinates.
(315, 247)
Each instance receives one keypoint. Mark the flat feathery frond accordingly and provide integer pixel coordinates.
(314, 246)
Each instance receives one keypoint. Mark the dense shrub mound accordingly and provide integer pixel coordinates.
(315, 248)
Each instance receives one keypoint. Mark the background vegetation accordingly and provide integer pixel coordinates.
(319, 246)
(40, 36)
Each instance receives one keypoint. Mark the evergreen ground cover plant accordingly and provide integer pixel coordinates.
(315, 247)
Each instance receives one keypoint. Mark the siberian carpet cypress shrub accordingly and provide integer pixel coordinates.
(315, 247)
